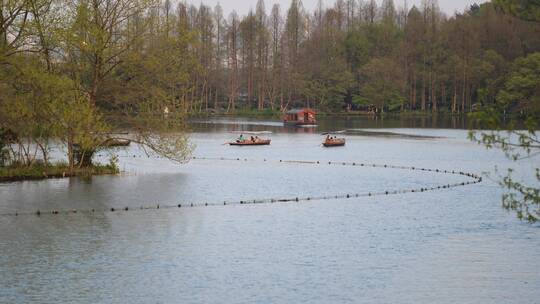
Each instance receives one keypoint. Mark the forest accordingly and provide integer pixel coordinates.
(122, 55)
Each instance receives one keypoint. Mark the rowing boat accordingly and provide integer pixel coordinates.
(334, 142)
(258, 142)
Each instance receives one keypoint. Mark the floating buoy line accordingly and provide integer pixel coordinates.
(472, 179)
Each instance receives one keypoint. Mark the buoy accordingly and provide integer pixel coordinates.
(38, 212)
(112, 209)
(126, 209)
(179, 205)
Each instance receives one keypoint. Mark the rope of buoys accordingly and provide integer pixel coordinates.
(475, 179)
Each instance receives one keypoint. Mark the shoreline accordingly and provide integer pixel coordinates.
(279, 114)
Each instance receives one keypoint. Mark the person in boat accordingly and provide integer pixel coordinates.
(328, 137)
(240, 138)
(256, 138)
(252, 138)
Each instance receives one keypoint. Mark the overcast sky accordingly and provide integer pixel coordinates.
(243, 6)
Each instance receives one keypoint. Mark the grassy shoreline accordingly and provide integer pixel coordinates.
(38, 172)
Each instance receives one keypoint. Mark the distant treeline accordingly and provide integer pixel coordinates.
(132, 56)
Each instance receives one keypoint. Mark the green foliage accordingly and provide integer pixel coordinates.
(383, 84)
(524, 9)
(360, 100)
(72, 66)
(112, 166)
(358, 49)
(515, 135)
(4, 142)
(522, 86)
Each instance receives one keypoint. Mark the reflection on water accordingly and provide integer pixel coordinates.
(448, 246)
(332, 123)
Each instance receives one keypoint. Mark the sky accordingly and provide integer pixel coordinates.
(243, 6)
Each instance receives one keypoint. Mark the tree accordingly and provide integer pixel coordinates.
(275, 89)
(262, 46)
(232, 60)
(13, 20)
(97, 38)
(524, 9)
(218, 70)
(294, 36)
(383, 85)
(44, 106)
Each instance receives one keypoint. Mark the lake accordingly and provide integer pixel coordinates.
(446, 246)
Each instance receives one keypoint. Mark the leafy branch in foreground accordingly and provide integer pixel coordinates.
(161, 133)
(516, 135)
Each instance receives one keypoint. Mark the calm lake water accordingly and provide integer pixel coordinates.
(448, 246)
